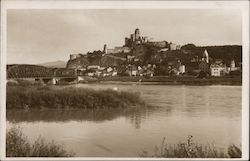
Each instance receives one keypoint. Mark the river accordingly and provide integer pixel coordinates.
(211, 114)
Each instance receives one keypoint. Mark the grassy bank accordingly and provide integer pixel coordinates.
(44, 97)
(190, 149)
(17, 145)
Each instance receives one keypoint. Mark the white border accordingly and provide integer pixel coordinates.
(242, 5)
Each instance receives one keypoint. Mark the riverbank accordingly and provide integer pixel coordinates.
(18, 145)
(49, 97)
(190, 149)
(181, 80)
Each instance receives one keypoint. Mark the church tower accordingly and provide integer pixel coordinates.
(206, 56)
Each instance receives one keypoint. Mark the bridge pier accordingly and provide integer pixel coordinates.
(46, 80)
(80, 78)
(54, 81)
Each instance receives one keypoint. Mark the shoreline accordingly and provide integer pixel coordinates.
(163, 80)
(168, 83)
(141, 80)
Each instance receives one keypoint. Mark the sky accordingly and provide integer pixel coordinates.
(38, 36)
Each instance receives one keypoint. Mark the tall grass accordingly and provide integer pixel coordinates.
(190, 149)
(17, 145)
(69, 98)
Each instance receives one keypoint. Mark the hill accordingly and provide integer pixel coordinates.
(149, 54)
(55, 64)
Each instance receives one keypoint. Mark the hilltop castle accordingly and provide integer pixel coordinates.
(136, 39)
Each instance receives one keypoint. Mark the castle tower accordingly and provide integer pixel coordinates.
(72, 56)
(132, 37)
(137, 34)
(105, 49)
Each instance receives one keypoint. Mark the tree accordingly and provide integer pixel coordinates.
(188, 46)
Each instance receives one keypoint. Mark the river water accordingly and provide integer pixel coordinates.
(211, 114)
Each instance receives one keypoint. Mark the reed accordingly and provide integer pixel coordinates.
(69, 98)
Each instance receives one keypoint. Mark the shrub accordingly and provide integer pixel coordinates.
(234, 151)
(17, 145)
(190, 149)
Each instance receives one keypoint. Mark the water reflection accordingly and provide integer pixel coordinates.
(69, 115)
(136, 119)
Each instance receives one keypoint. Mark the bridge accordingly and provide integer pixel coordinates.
(37, 72)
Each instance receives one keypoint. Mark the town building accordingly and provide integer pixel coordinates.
(218, 70)
(182, 69)
(233, 66)
(93, 67)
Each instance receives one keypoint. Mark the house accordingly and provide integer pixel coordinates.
(218, 70)
(90, 74)
(182, 69)
(134, 72)
(130, 57)
(93, 67)
(233, 66)
(109, 69)
(114, 73)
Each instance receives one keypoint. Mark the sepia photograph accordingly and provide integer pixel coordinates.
(124, 80)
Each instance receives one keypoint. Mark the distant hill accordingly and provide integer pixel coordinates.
(55, 64)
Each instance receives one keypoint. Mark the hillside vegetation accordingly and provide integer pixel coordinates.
(147, 53)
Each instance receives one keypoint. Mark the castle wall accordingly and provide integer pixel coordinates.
(118, 50)
(75, 56)
(160, 44)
